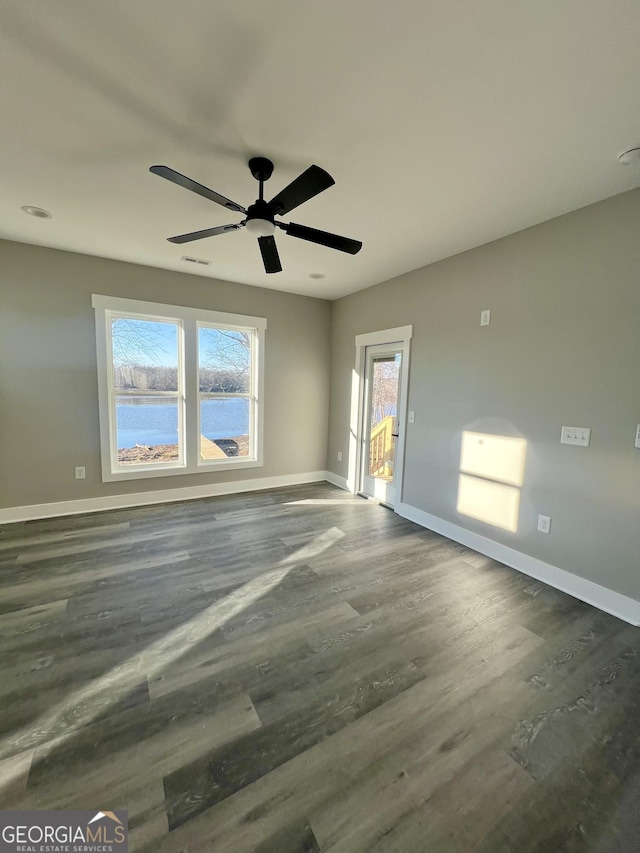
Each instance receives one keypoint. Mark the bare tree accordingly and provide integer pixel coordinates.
(132, 340)
(137, 347)
(226, 364)
(384, 390)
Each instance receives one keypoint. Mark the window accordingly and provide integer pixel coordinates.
(180, 389)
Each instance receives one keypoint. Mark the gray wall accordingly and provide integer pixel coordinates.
(563, 348)
(48, 386)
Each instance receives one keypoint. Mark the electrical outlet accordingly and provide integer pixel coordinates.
(580, 436)
(544, 524)
(339, 456)
(80, 473)
(485, 317)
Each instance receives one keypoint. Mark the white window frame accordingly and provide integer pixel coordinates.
(400, 336)
(189, 320)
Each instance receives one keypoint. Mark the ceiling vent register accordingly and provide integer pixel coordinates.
(191, 260)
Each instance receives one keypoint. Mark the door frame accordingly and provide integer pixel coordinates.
(399, 337)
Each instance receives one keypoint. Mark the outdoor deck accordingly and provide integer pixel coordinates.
(210, 450)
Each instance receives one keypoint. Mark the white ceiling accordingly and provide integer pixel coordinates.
(445, 123)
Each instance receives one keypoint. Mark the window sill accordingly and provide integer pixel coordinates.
(202, 467)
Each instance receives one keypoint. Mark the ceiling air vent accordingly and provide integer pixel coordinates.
(191, 260)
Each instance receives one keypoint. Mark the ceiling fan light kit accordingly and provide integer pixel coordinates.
(260, 216)
(260, 226)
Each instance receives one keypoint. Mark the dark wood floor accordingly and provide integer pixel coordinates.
(302, 670)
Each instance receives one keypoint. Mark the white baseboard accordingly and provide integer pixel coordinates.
(336, 480)
(49, 510)
(599, 596)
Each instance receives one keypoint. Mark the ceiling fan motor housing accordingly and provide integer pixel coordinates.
(260, 219)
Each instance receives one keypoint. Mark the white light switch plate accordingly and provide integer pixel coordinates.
(638, 436)
(581, 436)
(412, 420)
(485, 317)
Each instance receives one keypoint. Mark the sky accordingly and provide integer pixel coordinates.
(151, 342)
(144, 342)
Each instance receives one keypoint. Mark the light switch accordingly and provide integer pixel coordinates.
(485, 317)
(638, 436)
(412, 420)
(580, 436)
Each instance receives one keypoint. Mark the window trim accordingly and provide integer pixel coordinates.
(189, 318)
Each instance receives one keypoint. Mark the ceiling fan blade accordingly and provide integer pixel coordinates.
(200, 235)
(270, 256)
(195, 187)
(324, 238)
(311, 182)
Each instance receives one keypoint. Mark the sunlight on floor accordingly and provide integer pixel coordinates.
(348, 499)
(85, 704)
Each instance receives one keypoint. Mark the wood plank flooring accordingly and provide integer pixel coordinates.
(302, 670)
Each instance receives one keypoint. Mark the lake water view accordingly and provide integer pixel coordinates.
(141, 422)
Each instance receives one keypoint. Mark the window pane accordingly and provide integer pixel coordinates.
(224, 426)
(224, 360)
(145, 355)
(384, 378)
(147, 430)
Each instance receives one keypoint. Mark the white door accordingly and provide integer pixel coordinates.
(382, 406)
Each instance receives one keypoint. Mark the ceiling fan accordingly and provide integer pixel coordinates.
(260, 217)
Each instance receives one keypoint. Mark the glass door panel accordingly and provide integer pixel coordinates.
(382, 402)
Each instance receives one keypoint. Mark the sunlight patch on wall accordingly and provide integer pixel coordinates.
(493, 503)
(495, 457)
(492, 469)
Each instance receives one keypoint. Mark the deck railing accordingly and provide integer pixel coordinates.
(381, 448)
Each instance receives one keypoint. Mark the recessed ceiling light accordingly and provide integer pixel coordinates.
(630, 157)
(316, 275)
(40, 212)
